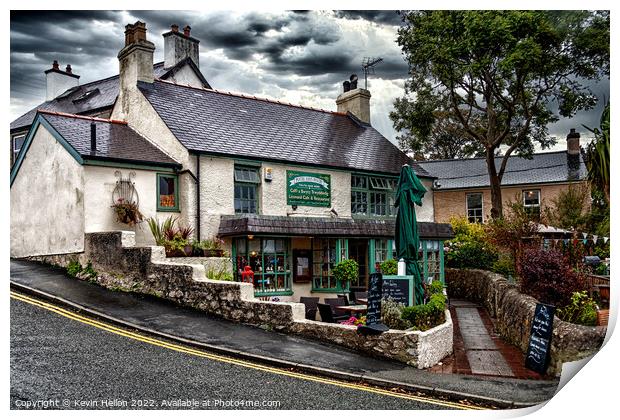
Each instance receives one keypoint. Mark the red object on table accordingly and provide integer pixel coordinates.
(247, 275)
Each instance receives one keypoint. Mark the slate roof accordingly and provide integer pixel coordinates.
(104, 93)
(323, 226)
(228, 124)
(115, 140)
(544, 168)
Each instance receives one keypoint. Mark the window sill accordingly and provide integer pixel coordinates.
(277, 293)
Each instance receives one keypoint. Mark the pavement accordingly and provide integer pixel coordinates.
(164, 319)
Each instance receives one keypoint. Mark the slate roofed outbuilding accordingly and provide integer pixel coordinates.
(221, 123)
(543, 168)
(115, 140)
(93, 96)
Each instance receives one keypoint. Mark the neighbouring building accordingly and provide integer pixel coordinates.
(291, 190)
(461, 187)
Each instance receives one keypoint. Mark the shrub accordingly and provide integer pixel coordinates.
(74, 268)
(219, 274)
(389, 267)
(504, 265)
(470, 247)
(545, 275)
(391, 314)
(426, 316)
(158, 229)
(581, 310)
(345, 272)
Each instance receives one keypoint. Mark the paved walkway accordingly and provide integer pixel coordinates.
(162, 317)
(478, 350)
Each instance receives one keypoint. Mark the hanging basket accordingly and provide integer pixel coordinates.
(125, 200)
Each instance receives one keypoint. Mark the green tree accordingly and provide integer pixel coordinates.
(597, 155)
(569, 210)
(497, 73)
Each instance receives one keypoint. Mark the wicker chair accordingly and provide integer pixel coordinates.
(311, 308)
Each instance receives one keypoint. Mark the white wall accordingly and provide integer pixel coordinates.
(99, 183)
(426, 213)
(186, 76)
(47, 201)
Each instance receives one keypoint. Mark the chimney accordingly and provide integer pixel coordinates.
(573, 151)
(93, 138)
(354, 100)
(178, 46)
(135, 63)
(58, 81)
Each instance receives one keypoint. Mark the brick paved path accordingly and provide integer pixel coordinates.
(478, 350)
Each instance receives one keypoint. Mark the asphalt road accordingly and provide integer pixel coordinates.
(57, 362)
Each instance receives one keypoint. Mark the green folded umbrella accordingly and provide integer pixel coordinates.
(410, 192)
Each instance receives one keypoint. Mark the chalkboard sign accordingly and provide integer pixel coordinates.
(373, 314)
(537, 356)
(399, 288)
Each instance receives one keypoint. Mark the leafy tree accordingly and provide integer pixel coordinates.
(569, 210)
(597, 155)
(497, 74)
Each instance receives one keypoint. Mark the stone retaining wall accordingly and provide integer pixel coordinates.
(122, 266)
(210, 263)
(513, 313)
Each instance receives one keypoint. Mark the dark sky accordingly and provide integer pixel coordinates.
(299, 57)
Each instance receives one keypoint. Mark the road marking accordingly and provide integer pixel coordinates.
(188, 350)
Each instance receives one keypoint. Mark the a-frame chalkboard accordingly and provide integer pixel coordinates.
(539, 347)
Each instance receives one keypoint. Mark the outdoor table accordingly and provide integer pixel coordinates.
(362, 301)
(353, 308)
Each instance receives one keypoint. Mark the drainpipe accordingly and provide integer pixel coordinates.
(198, 196)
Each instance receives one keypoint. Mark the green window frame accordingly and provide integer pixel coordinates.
(326, 253)
(247, 180)
(373, 196)
(167, 202)
(430, 256)
(270, 259)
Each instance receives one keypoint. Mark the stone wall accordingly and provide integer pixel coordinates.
(123, 266)
(209, 263)
(513, 313)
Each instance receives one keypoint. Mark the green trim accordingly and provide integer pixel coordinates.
(347, 290)
(305, 165)
(282, 293)
(442, 273)
(371, 255)
(114, 164)
(39, 120)
(248, 162)
(176, 193)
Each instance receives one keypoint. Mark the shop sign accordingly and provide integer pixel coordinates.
(308, 189)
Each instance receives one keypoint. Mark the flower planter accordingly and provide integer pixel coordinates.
(175, 253)
(213, 252)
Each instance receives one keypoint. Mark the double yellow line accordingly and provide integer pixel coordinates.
(224, 359)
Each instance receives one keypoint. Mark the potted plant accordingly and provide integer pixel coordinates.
(127, 212)
(209, 248)
(345, 272)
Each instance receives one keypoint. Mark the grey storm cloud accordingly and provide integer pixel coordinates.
(263, 53)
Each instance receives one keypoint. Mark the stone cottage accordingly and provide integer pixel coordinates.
(291, 190)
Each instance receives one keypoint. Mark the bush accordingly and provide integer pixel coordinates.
(581, 310)
(219, 274)
(391, 314)
(545, 275)
(74, 268)
(426, 316)
(389, 267)
(504, 266)
(345, 272)
(470, 247)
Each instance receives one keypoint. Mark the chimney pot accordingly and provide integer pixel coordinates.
(68, 69)
(187, 30)
(93, 137)
(174, 28)
(346, 86)
(55, 65)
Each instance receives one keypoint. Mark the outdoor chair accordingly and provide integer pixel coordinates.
(339, 301)
(346, 299)
(360, 295)
(310, 303)
(327, 314)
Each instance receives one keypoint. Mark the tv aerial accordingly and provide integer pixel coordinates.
(368, 65)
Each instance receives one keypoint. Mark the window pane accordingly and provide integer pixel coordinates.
(167, 192)
(474, 201)
(245, 174)
(531, 198)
